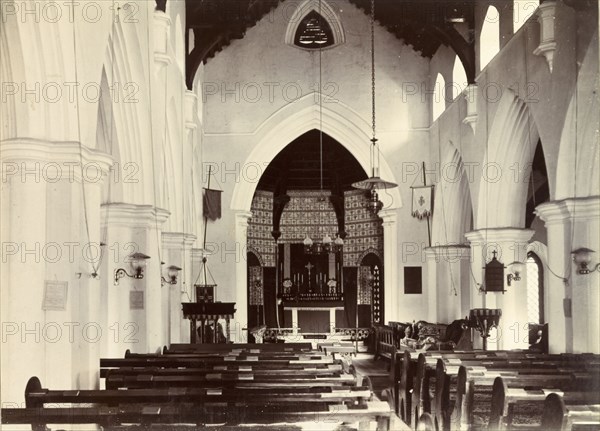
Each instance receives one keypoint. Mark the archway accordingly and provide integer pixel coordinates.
(306, 194)
(506, 167)
(370, 290)
(353, 132)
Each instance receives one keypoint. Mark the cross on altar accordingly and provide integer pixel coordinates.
(309, 266)
(494, 252)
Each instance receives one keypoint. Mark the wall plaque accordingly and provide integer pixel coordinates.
(55, 295)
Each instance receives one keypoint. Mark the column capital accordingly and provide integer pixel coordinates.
(56, 160)
(197, 254)
(500, 234)
(388, 216)
(557, 212)
(130, 215)
(162, 25)
(178, 240)
(242, 218)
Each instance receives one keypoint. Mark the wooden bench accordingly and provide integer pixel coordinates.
(36, 396)
(432, 383)
(385, 344)
(264, 347)
(511, 400)
(559, 414)
(213, 413)
(200, 388)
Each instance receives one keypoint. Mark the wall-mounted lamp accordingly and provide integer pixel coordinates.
(137, 262)
(172, 274)
(583, 257)
(517, 268)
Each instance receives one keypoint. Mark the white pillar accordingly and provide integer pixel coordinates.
(48, 234)
(176, 251)
(573, 298)
(238, 334)
(129, 229)
(446, 270)
(510, 245)
(390, 263)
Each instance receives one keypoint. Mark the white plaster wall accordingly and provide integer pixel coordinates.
(234, 114)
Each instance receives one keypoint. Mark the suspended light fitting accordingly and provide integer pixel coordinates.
(327, 245)
(374, 182)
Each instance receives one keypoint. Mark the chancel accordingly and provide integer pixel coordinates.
(254, 213)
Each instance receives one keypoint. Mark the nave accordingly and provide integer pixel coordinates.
(378, 179)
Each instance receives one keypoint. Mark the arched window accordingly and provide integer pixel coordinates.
(535, 289)
(489, 40)
(438, 104)
(459, 78)
(313, 32)
(522, 10)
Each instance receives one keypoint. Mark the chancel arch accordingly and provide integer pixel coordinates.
(306, 194)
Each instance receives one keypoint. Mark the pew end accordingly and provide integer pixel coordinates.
(558, 415)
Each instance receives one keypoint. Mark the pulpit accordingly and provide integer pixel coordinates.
(204, 313)
(484, 319)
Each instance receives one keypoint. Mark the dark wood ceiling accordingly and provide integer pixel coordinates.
(297, 166)
(423, 24)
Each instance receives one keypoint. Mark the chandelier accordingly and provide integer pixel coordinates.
(327, 245)
(374, 182)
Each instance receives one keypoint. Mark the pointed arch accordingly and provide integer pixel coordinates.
(459, 78)
(506, 166)
(453, 210)
(577, 173)
(291, 121)
(124, 67)
(438, 104)
(320, 7)
(489, 38)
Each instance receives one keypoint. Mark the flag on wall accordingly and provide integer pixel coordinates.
(212, 204)
(422, 201)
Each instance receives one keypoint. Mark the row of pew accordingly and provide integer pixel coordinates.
(196, 387)
(480, 390)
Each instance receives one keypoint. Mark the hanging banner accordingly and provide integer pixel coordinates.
(422, 201)
(212, 204)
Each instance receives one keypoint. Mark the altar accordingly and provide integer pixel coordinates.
(313, 317)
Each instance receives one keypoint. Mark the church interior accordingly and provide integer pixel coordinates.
(300, 214)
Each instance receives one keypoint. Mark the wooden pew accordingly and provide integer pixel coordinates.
(432, 396)
(291, 390)
(191, 362)
(223, 369)
(264, 347)
(36, 396)
(403, 372)
(384, 342)
(478, 398)
(214, 413)
(148, 380)
(560, 415)
(510, 398)
(450, 388)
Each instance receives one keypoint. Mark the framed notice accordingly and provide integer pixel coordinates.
(55, 295)
(136, 300)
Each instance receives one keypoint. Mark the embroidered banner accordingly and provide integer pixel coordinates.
(422, 201)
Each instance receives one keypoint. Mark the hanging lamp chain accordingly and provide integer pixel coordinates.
(374, 140)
